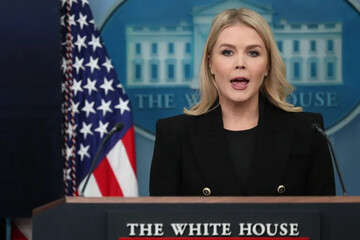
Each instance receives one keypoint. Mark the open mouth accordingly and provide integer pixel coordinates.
(240, 80)
(239, 83)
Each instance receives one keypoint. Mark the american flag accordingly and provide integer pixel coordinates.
(94, 102)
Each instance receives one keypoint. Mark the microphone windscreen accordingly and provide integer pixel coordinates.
(315, 126)
(118, 126)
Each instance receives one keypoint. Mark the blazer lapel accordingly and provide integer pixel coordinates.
(211, 153)
(272, 150)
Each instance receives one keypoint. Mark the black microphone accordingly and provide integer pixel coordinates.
(322, 133)
(117, 128)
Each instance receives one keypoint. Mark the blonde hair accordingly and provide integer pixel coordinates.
(275, 87)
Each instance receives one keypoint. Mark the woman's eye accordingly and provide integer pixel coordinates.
(253, 53)
(227, 53)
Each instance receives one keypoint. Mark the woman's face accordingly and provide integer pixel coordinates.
(239, 63)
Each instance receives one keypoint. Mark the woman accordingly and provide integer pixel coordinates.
(242, 138)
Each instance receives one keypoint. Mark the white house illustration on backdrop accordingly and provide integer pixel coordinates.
(170, 55)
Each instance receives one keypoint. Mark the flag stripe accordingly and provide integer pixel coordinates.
(21, 229)
(106, 179)
(128, 141)
(16, 234)
(123, 170)
(92, 188)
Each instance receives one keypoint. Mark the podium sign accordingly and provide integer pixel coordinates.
(214, 221)
(199, 218)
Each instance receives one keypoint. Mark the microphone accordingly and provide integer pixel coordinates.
(117, 128)
(322, 133)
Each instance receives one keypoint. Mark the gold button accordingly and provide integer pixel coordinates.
(281, 189)
(206, 191)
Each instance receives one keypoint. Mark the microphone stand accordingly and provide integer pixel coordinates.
(332, 152)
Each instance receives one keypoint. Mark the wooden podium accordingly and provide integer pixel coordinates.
(317, 218)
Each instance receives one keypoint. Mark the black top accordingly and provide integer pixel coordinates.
(241, 151)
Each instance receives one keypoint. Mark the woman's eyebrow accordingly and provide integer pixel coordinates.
(254, 46)
(227, 45)
(247, 47)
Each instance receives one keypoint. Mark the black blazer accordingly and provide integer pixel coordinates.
(191, 156)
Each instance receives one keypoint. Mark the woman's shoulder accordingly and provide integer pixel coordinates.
(308, 117)
(174, 120)
(305, 122)
(302, 118)
(174, 124)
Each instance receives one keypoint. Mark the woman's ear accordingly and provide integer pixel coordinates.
(210, 65)
(267, 71)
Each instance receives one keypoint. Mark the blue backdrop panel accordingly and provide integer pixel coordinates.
(156, 46)
(30, 100)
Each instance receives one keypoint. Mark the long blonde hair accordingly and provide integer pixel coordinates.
(275, 87)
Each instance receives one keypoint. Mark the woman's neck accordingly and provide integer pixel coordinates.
(240, 116)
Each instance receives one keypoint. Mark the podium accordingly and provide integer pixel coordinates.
(218, 218)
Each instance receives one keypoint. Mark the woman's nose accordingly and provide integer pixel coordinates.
(240, 63)
(240, 67)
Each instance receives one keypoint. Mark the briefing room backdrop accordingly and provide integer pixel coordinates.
(156, 46)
